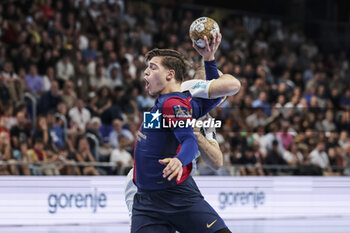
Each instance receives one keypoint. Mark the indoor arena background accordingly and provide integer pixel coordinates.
(71, 82)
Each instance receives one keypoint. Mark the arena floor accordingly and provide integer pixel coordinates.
(320, 225)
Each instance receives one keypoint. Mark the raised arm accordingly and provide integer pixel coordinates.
(218, 84)
(225, 85)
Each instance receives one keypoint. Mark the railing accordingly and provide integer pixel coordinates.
(232, 170)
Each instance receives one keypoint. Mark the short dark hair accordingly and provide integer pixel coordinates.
(38, 139)
(172, 59)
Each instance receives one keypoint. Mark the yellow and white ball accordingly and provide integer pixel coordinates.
(201, 27)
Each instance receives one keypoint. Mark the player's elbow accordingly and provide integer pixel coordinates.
(218, 164)
(231, 85)
(234, 86)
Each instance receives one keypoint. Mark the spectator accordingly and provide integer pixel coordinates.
(343, 138)
(11, 80)
(8, 72)
(115, 78)
(319, 157)
(286, 137)
(90, 53)
(42, 162)
(42, 131)
(257, 118)
(93, 131)
(112, 112)
(8, 120)
(50, 99)
(69, 96)
(251, 162)
(335, 161)
(99, 79)
(144, 101)
(21, 155)
(81, 81)
(83, 154)
(79, 116)
(34, 82)
(6, 155)
(21, 131)
(117, 132)
(114, 64)
(48, 78)
(345, 100)
(101, 102)
(262, 102)
(68, 166)
(293, 155)
(274, 157)
(326, 125)
(120, 158)
(56, 132)
(347, 159)
(5, 96)
(64, 69)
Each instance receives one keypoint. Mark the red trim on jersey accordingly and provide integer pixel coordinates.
(170, 103)
(186, 170)
(169, 111)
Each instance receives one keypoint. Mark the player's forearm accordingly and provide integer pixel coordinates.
(189, 146)
(226, 85)
(210, 152)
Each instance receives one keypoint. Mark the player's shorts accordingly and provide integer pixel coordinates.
(181, 208)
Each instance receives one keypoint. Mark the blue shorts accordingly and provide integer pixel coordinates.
(180, 208)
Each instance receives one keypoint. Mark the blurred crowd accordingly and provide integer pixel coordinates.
(72, 90)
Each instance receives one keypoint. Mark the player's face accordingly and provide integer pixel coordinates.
(155, 76)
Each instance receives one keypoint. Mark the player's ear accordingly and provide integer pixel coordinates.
(170, 75)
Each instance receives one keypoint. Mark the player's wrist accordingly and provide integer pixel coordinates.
(179, 160)
(211, 71)
(210, 58)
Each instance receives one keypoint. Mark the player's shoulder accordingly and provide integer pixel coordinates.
(177, 98)
(178, 105)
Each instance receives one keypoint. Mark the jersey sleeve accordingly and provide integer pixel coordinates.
(197, 88)
(201, 106)
(178, 110)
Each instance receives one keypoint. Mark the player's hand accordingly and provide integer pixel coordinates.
(196, 131)
(209, 51)
(173, 168)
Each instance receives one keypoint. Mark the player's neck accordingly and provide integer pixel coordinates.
(176, 87)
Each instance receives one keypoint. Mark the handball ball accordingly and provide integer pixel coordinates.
(201, 27)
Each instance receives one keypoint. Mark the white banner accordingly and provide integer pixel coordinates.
(92, 199)
(62, 200)
(277, 197)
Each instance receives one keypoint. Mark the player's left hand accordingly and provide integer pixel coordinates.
(173, 168)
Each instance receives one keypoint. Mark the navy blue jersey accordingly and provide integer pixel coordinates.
(155, 144)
